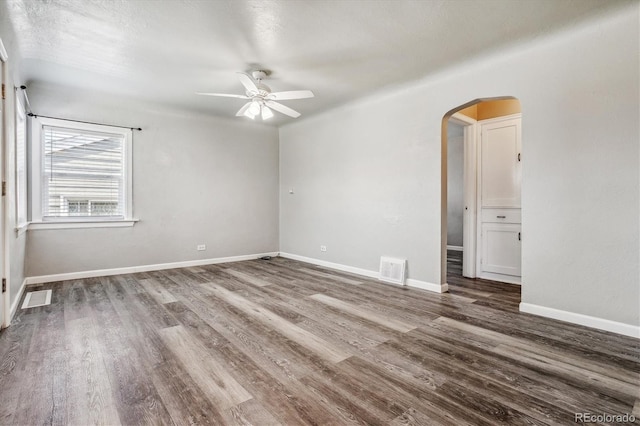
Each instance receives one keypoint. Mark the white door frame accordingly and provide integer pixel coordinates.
(4, 261)
(469, 192)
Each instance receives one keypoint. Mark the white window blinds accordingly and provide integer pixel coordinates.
(83, 173)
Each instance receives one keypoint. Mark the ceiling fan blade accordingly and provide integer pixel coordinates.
(292, 94)
(247, 82)
(283, 109)
(224, 95)
(242, 110)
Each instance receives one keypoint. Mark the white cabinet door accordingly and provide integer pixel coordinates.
(500, 163)
(501, 248)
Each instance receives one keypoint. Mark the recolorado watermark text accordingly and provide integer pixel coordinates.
(604, 418)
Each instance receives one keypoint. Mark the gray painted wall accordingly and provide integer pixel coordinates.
(455, 175)
(197, 180)
(367, 175)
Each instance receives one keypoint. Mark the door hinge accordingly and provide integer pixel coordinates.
(4, 188)
(3, 90)
(4, 285)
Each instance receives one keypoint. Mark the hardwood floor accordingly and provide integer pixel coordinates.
(284, 342)
(454, 263)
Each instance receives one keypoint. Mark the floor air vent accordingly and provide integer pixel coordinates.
(37, 298)
(392, 270)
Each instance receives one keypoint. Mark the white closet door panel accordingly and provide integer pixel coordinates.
(500, 165)
(501, 248)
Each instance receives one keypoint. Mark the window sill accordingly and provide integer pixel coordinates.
(36, 226)
(21, 229)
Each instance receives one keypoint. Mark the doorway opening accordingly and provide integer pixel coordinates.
(481, 186)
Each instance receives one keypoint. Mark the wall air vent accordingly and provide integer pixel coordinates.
(392, 270)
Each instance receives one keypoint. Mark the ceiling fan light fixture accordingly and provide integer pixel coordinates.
(249, 114)
(266, 112)
(254, 109)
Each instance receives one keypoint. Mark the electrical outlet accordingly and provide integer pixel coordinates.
(323, 248)
(201, 247)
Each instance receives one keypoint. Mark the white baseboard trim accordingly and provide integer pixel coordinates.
(367, 273)
(331, 265)
(500, 278)
(581, 319)
(455, 248)
(144, 268)
(16, 301)
(424, 285)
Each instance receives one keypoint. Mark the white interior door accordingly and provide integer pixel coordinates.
(469, 194)
(469, 213)
(4, 295)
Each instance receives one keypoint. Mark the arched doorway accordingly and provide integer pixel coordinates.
(481, 211)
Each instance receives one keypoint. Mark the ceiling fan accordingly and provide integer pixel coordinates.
(261, 99)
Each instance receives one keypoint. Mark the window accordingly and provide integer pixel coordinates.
(82, 172)
(80, 166)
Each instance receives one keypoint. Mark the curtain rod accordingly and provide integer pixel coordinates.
(85, 122)
(31, 114)
(26, 98)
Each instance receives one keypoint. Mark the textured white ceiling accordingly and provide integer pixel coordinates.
(165, 50)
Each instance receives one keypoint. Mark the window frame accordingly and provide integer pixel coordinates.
(37, 170)
(21, 181)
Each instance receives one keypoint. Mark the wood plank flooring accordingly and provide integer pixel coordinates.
(282, 342)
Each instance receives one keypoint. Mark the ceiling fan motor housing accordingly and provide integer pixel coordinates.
(263, 90)
(259, 74)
